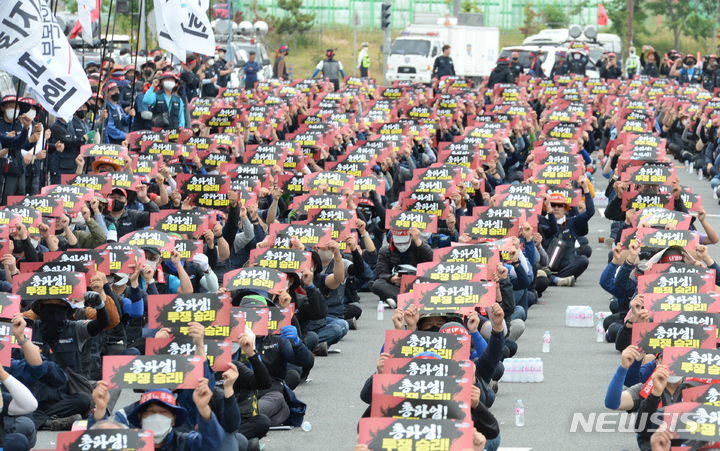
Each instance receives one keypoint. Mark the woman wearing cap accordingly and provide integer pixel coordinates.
(163, 100)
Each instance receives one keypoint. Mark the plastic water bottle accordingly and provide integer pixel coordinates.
(510, 370)
(519, 413)
(541, 375)
(381, 312)
(306, 426)
(523, 371)
(546, 342)
(700, 174)
(687, 166)
(600, 332)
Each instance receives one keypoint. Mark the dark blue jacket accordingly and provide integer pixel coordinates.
(251, 70)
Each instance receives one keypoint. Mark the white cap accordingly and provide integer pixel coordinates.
(122, 279)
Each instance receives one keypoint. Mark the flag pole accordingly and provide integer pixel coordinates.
(103, 41)
(137, 50)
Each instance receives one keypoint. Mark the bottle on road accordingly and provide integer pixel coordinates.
(381, 311)
(519, 413)
(600, 332)
(546, 342)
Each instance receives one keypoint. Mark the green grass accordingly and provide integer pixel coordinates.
(304, 60)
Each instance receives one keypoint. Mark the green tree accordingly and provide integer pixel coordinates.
(702, 23)
(554, 15)
(530, 18)
(469, 6)
(294, 22)
(617, 13)
(675, 15)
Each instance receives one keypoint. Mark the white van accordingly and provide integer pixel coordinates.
(526, 54)
(412, 55)
(610, 42)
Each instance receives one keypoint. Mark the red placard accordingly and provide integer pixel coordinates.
(145, 372)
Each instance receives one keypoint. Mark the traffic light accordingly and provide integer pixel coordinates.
(386, 15)
(123, 6)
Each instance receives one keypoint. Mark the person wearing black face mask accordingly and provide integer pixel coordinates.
(60, 339)
(127, 221)
(65, 143)
(119, 118)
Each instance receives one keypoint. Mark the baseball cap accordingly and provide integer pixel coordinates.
(253, 301)
(119, 191)
(454, 328)
(121, 279)
(672, 255)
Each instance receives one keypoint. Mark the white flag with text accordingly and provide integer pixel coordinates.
(171, 17)
(51, 69)
(199, 36)
(20, 27)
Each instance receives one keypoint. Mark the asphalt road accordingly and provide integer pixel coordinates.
(577, 370)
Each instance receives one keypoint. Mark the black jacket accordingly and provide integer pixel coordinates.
(251, 377)
(443, 66)
(389, 259)
(132, 220)
(501, 74)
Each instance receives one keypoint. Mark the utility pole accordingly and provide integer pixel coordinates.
(717, 11)
(386, 25)
(356, 24)
(629, 43)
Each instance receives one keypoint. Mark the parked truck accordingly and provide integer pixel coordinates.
(474, 50)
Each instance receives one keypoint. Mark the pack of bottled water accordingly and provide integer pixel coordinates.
(523, 370)
(579, 316)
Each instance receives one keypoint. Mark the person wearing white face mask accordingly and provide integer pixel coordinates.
(157, 411)
(166, 106)
(155, 279)
(224, 68)
(208, 77)
(12, 165)
(35, 156)
(404, 248)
